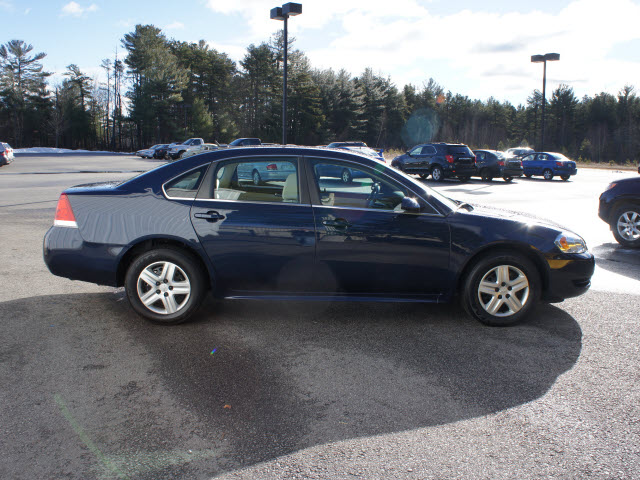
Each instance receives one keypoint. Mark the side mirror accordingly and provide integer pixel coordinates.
(410, 205)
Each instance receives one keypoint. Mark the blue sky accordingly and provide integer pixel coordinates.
(479, 49)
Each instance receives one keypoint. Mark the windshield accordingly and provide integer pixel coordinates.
(431, 193)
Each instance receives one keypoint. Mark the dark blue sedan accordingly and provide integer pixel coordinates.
(548, 165)
(173, 233)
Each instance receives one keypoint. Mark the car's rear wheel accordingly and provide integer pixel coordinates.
(346, 176)
(437, 174)
(565, 177)
(501, 288)
(255, 176)
(165, 285)
(485, 175)
(626, 225)
(547, 174)
(508, 179)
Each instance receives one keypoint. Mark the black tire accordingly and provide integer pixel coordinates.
(508, 179)
(437, 173)
(346, 176)
(625, 225)
(484, 174)
(186, 275)
(255, 176)
(180, 153)
(424, 176)
(528, 175)
(487, 270)
(565, 177)
(547, 174)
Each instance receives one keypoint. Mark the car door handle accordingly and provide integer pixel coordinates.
(211, 216)
(337, 223)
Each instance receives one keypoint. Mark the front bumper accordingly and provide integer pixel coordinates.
(569, 275)
(66, 254)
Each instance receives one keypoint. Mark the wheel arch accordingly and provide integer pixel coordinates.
(619, 203)
(161, 242)
(524, 250)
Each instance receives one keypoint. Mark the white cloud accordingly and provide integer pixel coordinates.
(74, 9)
(26, 11)
(5, 5)
(475, 53)
(174, 26)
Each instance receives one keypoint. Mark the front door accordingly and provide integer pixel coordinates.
(367, 245)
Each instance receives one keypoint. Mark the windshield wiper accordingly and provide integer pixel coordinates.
(463, 205)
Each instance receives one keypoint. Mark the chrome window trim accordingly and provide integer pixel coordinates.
(379, 210)
(390, 178)
(290, 204)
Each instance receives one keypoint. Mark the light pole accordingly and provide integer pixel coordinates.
(544, 59)
(283, 13)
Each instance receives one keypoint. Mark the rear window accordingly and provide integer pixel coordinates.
(462, 150)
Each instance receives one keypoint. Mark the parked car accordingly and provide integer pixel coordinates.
(519, 152)
(620, 208)
(163, 151)
(205, 147)
(177, 150)
(6, 154)
(148, 152)
(493, 163)
(359, 147)
(548, 165)
(245, 142)
(440, 160)
(386, 237)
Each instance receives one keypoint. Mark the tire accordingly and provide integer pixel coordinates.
(437, 174)
(547, 174)
(180, 153)
(565, 177)
(508, 179)
(255, 176)
(506, 272)
(346, 176)
(424, 176)
(484, 174)
(170, 269)
(528, 175)
(625, 225)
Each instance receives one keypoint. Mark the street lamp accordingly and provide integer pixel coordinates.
(283, 13)
(549, 57)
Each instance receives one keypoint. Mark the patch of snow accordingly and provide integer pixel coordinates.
(57, 150)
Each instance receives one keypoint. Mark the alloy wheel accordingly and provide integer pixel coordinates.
(629, 225)
(503, 291)
(163, 288)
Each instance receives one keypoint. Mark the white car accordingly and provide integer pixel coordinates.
(176, 151)
(205, 147)
(6, 154)
(148, 152)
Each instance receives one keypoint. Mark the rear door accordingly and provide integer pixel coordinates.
(259, 238)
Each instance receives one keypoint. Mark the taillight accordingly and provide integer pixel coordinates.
(272, 166)
(449, 158)
(501, 163)
(64, 213)
(559, 164)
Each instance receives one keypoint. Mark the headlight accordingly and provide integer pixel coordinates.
(611, 185)
(570, 243)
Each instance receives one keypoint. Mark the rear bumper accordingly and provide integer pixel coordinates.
(569, 276)
(511, 172)
(67, 255)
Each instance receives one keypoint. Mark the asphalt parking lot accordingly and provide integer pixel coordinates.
(261, 390)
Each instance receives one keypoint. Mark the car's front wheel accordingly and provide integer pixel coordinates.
(346, 176)
(165, 285)
(255, 176)
(437, 174)
(626, 225)
(501, 288)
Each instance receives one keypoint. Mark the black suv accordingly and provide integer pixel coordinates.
(440, 160)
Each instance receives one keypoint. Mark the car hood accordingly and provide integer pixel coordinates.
(513, 216)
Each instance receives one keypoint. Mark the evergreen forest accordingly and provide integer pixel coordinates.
(159, 90)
